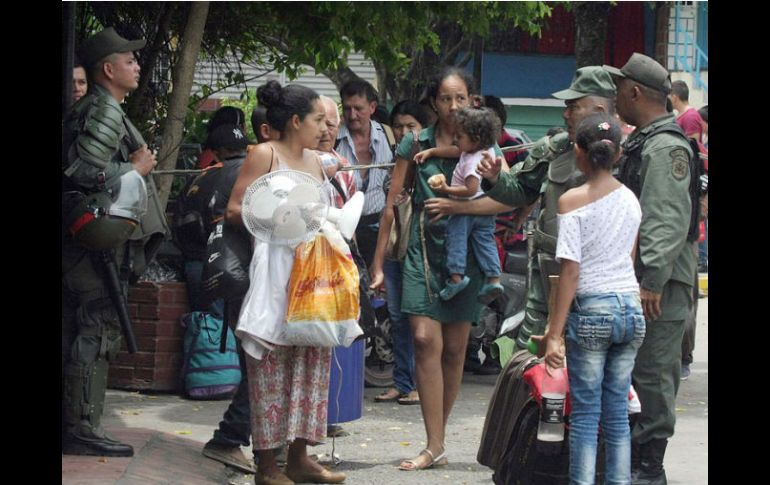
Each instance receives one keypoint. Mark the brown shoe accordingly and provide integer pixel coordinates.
(231, 456)
(277, 479)
(325, 476)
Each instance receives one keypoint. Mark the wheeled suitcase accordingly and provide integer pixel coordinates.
(509, 443)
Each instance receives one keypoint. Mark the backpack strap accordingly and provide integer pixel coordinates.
(632, 163)
(391, 138)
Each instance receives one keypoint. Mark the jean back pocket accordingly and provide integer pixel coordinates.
(594, 332)
(640, 329)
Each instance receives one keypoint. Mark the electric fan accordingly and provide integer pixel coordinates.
(287, 207)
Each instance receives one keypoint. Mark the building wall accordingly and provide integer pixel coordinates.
(688, 20)
(535, 120)
(205, 73)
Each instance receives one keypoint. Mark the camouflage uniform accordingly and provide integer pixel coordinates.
(100, 139)
(549, 171)
(665, 264)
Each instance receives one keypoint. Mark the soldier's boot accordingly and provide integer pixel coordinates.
(651, 470)
(84, 390)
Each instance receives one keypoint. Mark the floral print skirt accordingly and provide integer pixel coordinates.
(288, 396)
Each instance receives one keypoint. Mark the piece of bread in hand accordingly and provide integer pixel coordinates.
(437, 180)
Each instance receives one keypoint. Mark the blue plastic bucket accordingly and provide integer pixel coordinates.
(348, 405)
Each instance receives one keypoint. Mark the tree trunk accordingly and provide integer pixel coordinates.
(341, 75)
(182, 79)
(382, 84)
(590, 32)
(662, 18)
(478, 55)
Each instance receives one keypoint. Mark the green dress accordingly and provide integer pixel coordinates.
(420, 288)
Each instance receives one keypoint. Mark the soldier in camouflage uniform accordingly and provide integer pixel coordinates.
(103, 145)
(656, 167)
(546, 174)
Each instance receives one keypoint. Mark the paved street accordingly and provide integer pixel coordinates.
(168, 433)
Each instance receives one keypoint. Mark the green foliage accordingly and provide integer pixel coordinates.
(283, 36)
(196, 121)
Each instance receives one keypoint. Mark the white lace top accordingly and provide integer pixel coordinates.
(600, 236)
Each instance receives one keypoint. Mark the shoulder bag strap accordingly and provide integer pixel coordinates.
(410, 179)
(337, 186)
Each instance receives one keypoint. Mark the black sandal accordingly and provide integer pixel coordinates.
(386, 397)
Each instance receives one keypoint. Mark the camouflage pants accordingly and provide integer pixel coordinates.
(658, 366)
(90, 339)
(536, 314)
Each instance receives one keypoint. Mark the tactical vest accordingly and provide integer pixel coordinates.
(105, 127)
(562, 176)
(630, 168)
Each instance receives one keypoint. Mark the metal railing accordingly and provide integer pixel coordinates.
(681, 60)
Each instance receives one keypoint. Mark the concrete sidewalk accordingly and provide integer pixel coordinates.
(168, 433)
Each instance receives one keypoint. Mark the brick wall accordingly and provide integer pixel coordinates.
(154, 309)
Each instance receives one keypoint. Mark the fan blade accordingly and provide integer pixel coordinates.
(304, 194)
(286, 214)
(263, 204)
(295, 228)
(280, 186)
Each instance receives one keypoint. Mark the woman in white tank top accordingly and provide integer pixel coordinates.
(288, 385)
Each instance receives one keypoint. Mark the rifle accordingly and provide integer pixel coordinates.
(107, 260)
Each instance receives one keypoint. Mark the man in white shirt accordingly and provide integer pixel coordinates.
(362, 141)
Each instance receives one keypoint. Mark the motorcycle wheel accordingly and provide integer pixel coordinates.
(378, 371)
(379, 375)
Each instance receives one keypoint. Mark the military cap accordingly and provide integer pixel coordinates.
(106, 42)
(644, 70)
(589, 81)
(227, 136)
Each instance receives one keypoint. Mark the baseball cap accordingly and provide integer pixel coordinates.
(105, 43)
(227, 136)
(644, 70)
(588, 81)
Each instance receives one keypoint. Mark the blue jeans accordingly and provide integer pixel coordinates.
(703, 248)
(479, 231)
(403, 346)
(604, 332)
(235, 427)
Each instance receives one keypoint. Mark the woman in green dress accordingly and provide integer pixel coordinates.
(440, 328)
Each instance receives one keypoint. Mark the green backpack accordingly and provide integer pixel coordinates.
(207, 373)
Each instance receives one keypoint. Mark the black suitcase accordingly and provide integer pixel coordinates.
(509, 443)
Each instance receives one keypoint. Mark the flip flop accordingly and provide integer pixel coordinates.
(390, 395)
(406, 400)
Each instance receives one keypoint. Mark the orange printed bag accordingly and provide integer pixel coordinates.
(323, 293)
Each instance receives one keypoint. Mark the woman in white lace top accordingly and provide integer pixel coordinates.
(598, 302)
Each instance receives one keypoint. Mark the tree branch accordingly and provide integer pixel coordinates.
(452, 53)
